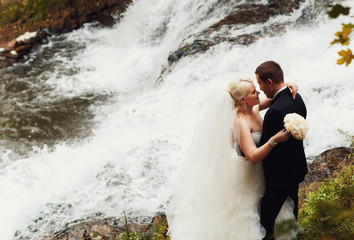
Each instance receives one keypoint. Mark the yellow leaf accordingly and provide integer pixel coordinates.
(347, 57)
(343, 36)
(340, 61)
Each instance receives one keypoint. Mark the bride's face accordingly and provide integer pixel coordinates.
(253, 96)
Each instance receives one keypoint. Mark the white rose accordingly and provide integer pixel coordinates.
(296, 125)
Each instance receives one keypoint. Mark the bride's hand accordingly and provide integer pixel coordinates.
(293, 88)
(281, 136)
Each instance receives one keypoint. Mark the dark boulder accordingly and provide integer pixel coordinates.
(245, 15)
(327, 163)
(105, 229)
(110, 229)
(59, 20)
(195, 47)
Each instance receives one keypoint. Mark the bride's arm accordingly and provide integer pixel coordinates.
(265, 102)
(293, 87)
(249, 148)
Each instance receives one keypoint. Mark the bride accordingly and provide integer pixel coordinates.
(218, 193)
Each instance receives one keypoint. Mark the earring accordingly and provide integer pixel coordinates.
(245, 106)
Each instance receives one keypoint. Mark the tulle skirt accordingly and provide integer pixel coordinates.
(221, 210)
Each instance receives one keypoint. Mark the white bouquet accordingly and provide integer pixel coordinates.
(296, 125)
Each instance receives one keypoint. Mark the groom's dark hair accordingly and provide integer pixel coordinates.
(270, 70)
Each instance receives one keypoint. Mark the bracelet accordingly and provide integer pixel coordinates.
(271, 142)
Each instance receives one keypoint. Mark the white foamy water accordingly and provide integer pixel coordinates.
(141, 137)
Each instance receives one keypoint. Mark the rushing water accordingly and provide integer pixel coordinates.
(86, 132)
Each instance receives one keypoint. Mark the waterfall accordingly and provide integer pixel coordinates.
(127, 137)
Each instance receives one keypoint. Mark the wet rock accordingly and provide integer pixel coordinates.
(61, 19)
(105, 20)
(159, 221)
(245, 15)
(203, 45)
(23, 49)
(60, 24)
(105, 229)
(6, 61)
(327, 163)
(196, 46)
(240, 16)
(244, 39)
(108, 229)
(21, 45)
(11, 44)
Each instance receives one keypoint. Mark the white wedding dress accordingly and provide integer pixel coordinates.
(218, 193)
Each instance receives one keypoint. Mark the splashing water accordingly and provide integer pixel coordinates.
(127, 136)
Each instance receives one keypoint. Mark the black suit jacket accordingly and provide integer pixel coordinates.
(286, 165)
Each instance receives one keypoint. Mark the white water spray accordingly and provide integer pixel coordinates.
(133, 159)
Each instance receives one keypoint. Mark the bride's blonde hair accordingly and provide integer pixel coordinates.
(238, 89)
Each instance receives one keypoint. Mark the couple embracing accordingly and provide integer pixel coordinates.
(242, 172)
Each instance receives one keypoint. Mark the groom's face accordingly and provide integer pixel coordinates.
(265, 87)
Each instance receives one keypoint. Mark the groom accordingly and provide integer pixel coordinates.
(285, 167)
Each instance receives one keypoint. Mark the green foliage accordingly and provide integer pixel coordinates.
(337, 10)
(349, 138)
(132, 236)
(33, 10)
(154, 231)
(160, 232)
(10, 13)
(328, 213)
(128, 235)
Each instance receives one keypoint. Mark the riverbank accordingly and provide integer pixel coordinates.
(18, 35)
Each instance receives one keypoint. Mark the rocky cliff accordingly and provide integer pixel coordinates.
(17, 38)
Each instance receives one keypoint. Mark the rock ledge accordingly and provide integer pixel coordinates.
(17, 39)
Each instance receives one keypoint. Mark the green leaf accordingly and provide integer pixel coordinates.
(348, 26)
(337, 10)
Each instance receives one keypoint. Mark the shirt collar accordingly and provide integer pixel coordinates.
(279, 91)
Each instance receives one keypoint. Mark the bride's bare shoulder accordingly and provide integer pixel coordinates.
(242, 121)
